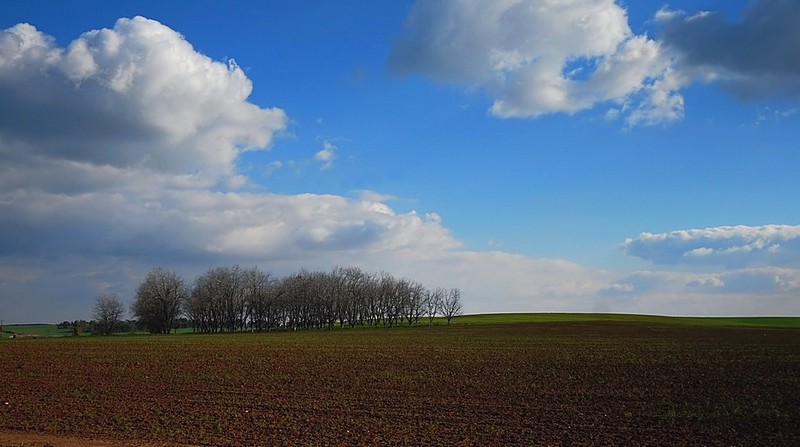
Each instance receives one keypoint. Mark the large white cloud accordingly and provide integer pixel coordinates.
(137, 95)
(734, 246)
(536, 57)
(123, 137)
(119, 155)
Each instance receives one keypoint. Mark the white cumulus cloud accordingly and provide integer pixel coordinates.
(118, 154)
(136, 95)
(535, 57)
(739, 245)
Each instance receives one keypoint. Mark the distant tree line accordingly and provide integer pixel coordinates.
(123, 326)
(80, 327)
(230, 299)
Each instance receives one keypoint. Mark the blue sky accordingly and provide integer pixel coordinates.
(590, 155)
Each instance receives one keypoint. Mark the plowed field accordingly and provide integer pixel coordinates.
(522, 384)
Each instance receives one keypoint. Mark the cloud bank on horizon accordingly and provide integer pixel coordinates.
(120, 154)
(734, 246)
(760, 261)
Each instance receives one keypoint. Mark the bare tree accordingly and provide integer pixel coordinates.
(433, 303)
(107, 314)
(199, 308)
(451, 304)
(413, 300)
(323, 298)
(390, 294)
(258, 286)
(228, 283)
(235, 299)
(351, 290)
(160, 300)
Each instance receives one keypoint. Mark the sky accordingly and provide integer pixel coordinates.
(540, 155)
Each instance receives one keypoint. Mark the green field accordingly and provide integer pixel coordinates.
(512, 318)
(39, 330)
(51, 330)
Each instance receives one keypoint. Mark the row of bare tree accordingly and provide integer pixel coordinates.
(236, 299)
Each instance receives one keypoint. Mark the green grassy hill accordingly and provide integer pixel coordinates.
(513, 318)
(39, 330)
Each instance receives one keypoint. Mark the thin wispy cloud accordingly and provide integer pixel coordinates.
(326, 155)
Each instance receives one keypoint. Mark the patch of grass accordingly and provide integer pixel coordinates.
(770, 322)
(51, 330)
(40, 330)
(516, 318)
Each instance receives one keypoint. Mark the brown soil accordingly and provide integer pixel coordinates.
(21, 439)
(539, 384)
